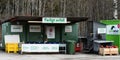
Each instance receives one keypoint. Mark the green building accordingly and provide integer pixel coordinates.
(36, 29)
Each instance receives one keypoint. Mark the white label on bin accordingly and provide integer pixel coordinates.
(35, 28)
(16, 28)
(101, 30)
(68, 28)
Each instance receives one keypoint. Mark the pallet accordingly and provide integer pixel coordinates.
(109, 54)
(108, 51)
(103, 51)
(114, 51)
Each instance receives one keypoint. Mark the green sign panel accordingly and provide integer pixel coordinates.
(53, 20)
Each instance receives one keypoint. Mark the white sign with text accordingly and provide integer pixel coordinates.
(40, 47)
(54, 20)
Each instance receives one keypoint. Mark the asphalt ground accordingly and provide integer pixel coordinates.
(77, 56)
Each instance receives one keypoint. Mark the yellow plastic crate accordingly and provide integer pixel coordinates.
(11, 50)
(11, 47)
(11, 44)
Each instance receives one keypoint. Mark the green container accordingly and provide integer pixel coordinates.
(70, 35)
(70, 47)
(6, 30)
(113, 34)
(33, 36)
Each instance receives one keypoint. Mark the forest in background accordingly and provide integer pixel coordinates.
(95, 10)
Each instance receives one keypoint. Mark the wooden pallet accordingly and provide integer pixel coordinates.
(109, 54)
(108, 51)
(114, 51)
(104, 51)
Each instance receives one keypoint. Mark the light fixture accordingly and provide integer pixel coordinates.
(42, 22)
(34, 21)
(18, 23)
(68, 22)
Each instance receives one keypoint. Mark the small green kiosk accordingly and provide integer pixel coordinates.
(113, 31)
(35, 30)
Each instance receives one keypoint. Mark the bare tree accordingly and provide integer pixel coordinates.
(94, 9)
(115, 14)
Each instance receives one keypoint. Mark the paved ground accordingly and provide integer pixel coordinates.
(77, 56)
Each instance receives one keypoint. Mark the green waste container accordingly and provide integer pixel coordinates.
(112, 31)
(70, 47)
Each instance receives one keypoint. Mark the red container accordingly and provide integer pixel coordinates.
(78, 47)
